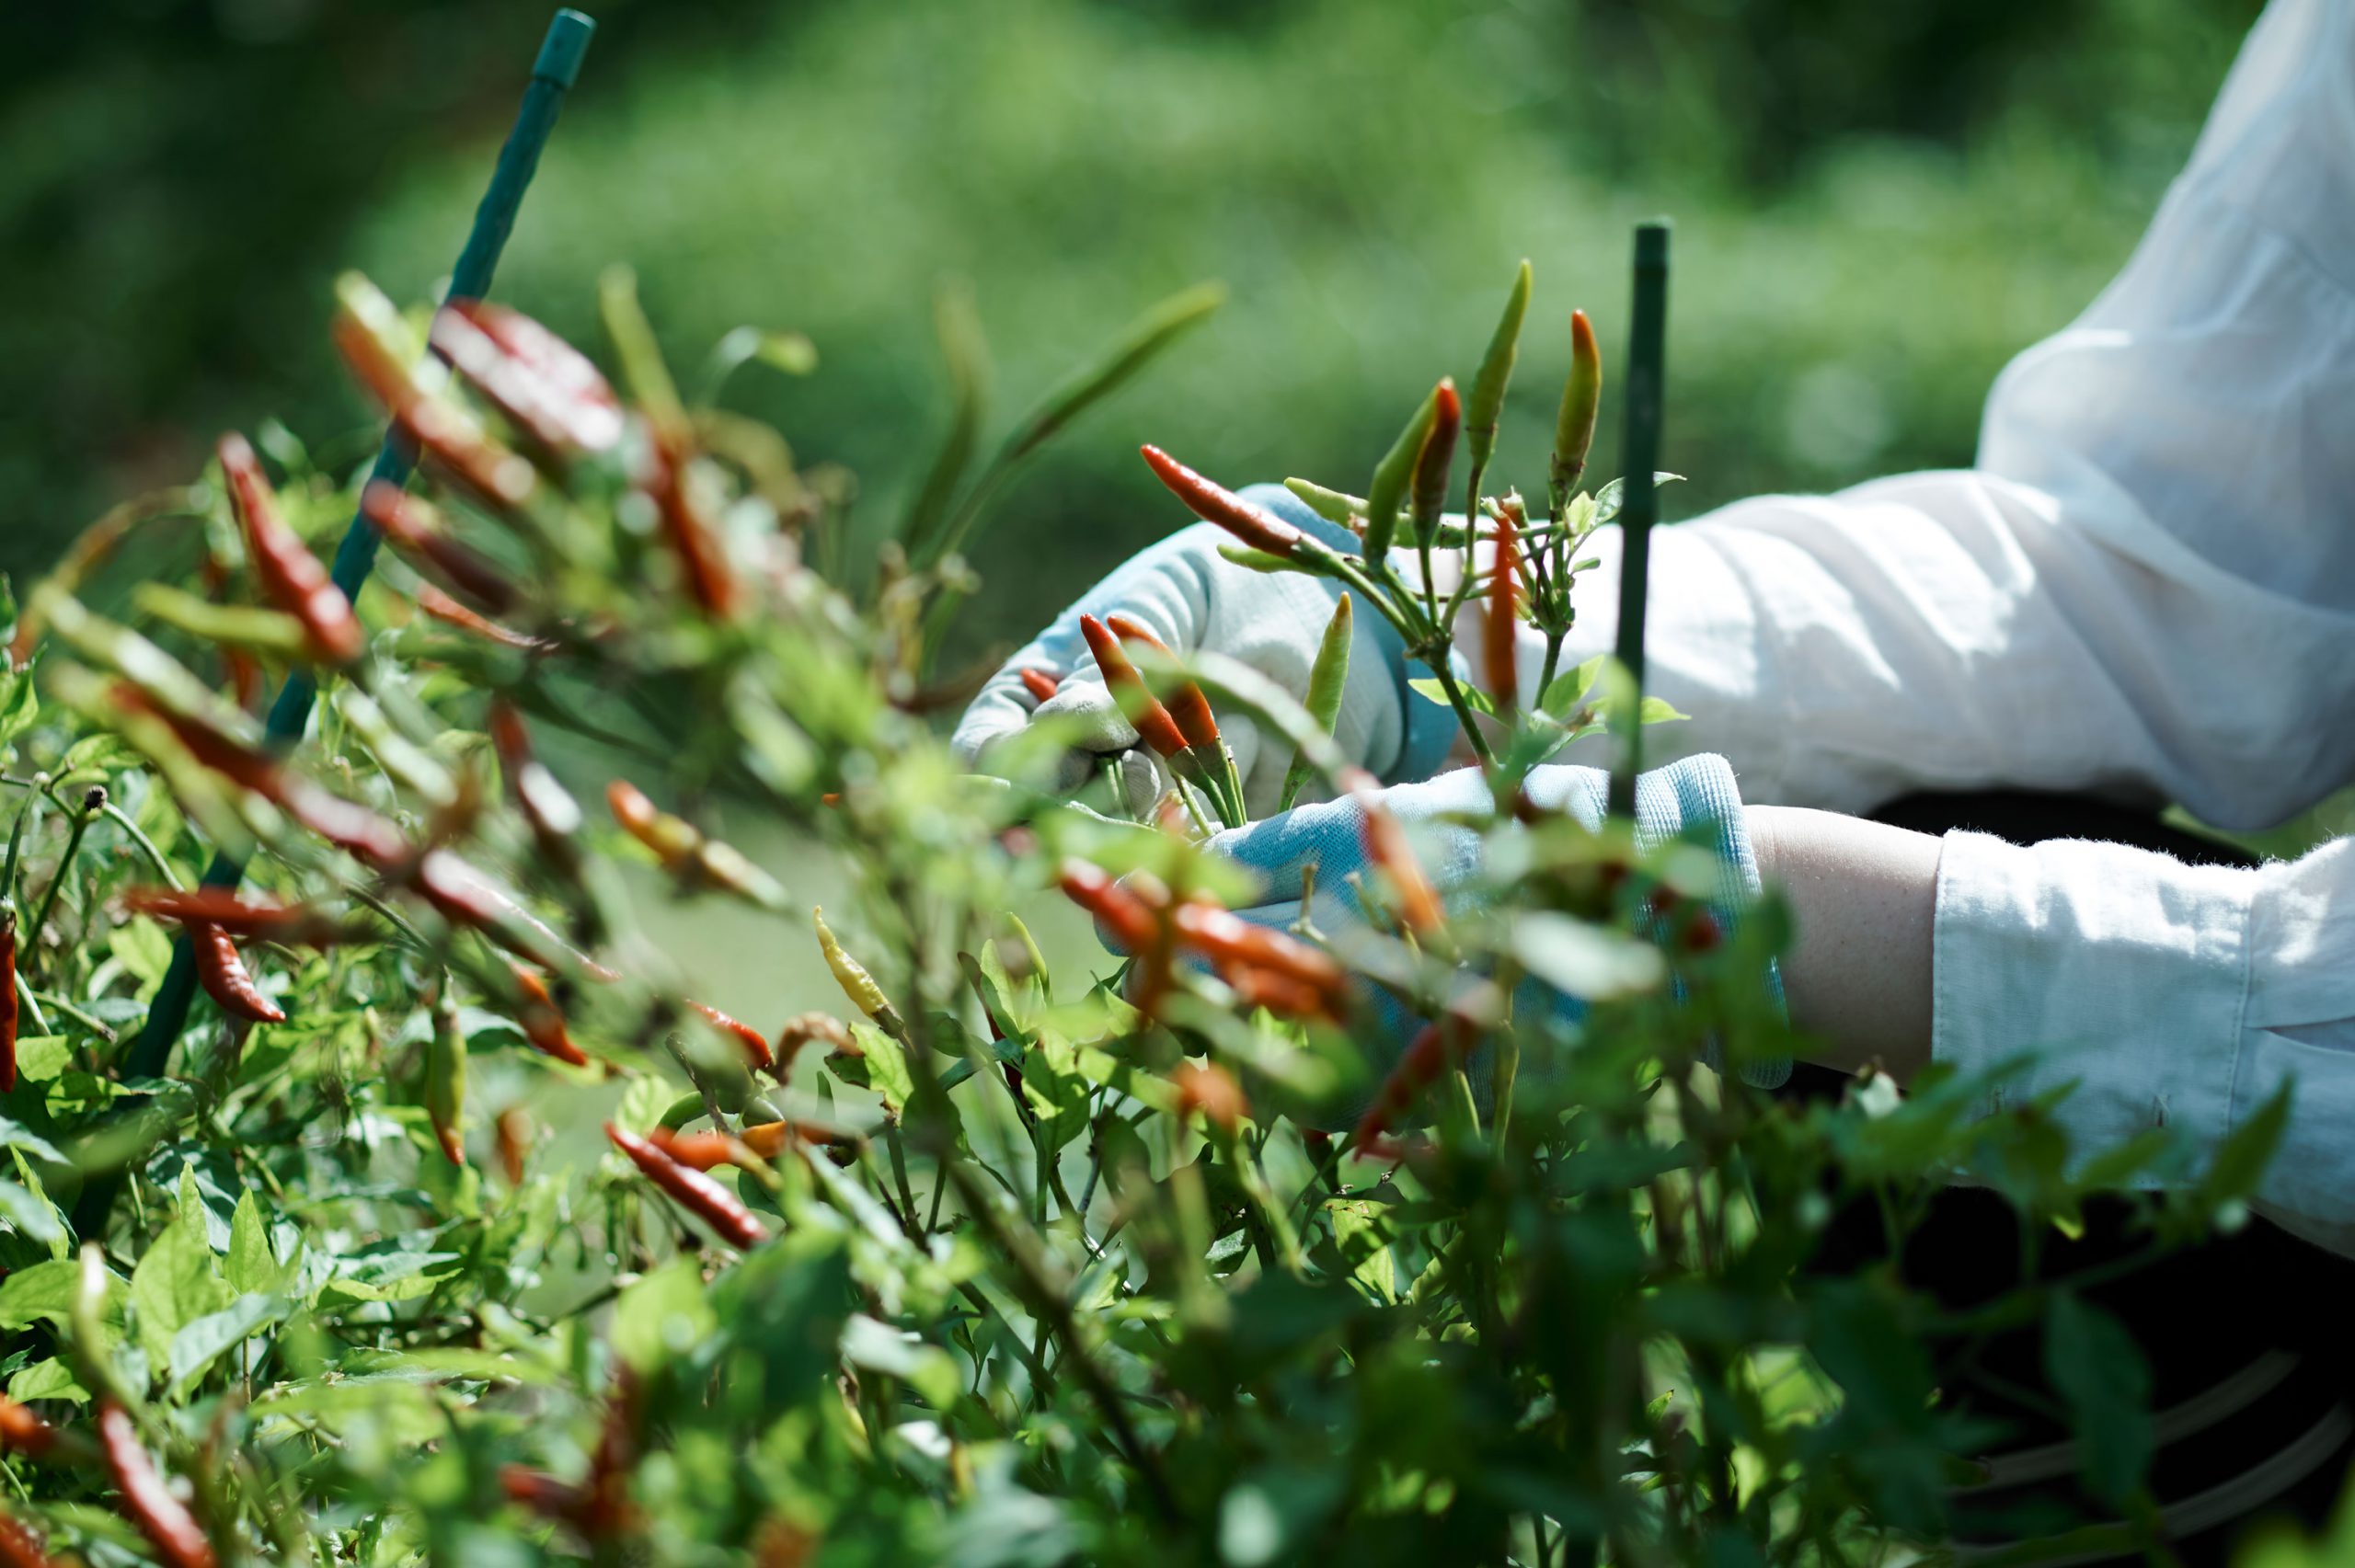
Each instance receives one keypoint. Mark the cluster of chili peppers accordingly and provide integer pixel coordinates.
(1264, 967)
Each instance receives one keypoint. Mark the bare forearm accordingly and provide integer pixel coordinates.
(1863, 899)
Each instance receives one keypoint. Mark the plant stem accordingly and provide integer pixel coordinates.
(48, 898)
(16, 837)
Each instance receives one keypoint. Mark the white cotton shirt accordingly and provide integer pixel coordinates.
(2145, 590)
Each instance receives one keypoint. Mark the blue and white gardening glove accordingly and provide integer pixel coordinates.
(1192, 597)
(1693, 800)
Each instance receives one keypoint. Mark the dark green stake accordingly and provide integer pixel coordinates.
(1640, 505)
(553, 73)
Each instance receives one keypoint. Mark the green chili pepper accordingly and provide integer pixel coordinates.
(1326, 677)
(1582, 397)
(1484, 408)
(446, 1078)
(1392, 476)
(1331, 505)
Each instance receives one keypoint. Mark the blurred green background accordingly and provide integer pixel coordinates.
(1876, 205)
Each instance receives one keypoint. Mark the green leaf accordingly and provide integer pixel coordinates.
(878, 1347)
(43, 1292)
(52, 1378)
(1560, 699)
(2095, 1364)
(1361, 1234)
(19, 702)
(40, 1057)
(1474, 698)
(202, 1341)
(36, 1216)
(967, 353)
(175, 1282)
(1139, 344)
(880, 1066)
(1591, 962)
(16, 1135)
(143, 949)
(662, 1315)
(251, 1265)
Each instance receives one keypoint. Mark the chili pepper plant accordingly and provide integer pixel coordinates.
(457, 1227)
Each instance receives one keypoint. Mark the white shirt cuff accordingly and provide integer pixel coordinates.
(2123, 971)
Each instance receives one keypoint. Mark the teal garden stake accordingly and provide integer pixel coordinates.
(553, 73)
(1639, 506)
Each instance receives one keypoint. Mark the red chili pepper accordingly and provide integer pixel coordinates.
(1417, 905)
(225, 977)
(703, 1150)
(1497, 631)
(8, 1002)
(694, 534)
(1225, 936)
(414, 528)
(291, 924)
(1142, 709)
(694, 1191)
(450, 613)
(755, 1044)
(19, 1547)
(464, 896)
(454, 438)
(1418, 1067)
(1283, 995)
(1092, 888)
(1212, 502)
(1428, 494)
(1187, 707)
(540, 381)
(22, 1432)
(541, 1021)
(769, 1139)
(540, 1492)
(288, 574)
(1040, 684)
(1701, 934)
(163, 1517)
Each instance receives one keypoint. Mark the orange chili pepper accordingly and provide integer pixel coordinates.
(1155, 726)
(1497, 631)
(1188, 708)
(1211, 1090)
(24, 1432)
(1418, 1067)
(1417, 903)
(19, 1547)
(291, 924)
(1255, 525)
(1040, 684)
(541, 1021)
(755, 1044)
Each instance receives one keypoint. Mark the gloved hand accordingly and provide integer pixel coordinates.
(1192, 597)
(1693, 799)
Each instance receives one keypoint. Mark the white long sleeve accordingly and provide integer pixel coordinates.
(2145, 589)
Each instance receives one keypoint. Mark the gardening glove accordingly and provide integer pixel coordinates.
(1192, 597)
(1693, 800)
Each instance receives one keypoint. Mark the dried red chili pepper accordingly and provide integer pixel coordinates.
(755, 1044)
(1187, 707)
(694, 1191)
(288, 574)
(8, 1002)
(1255, 525)
(1497, 630)
(20, 1547)
(548, 807)
(148, 1502)
(1152, 721)
(370, 335)
(694, 534)
(540, 1492)
(541, 1021)
(414, 528)
(22, 1432)
(800, 1030)
(1416, 903)
(544, 385)
(1040, 684)
(225, 977)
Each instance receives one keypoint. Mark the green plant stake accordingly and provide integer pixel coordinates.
(553, 73)
(1639, 506)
